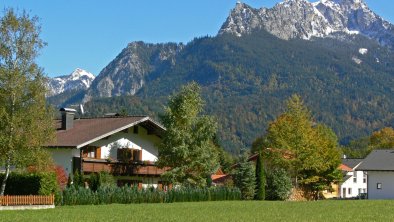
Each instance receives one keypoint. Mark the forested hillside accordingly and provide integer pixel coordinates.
(245, 81)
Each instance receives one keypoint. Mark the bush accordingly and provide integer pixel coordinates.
(43, 183)
(278, 185)
(127, 195)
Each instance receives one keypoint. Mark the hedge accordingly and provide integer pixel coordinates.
(43, 183)
(127, 195)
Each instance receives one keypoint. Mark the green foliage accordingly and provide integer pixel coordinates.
(187, 146)
(360, 148)
(43, 183)
(26, 122)
(245, 178)
(314, 153)
(245, 80)
(127, 195)
(278, 185)
(357, 148)
(382, 139)
(260, 179)
(101, 179)
(78, 180)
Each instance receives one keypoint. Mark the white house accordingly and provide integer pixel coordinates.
(354, 182)
(379, 165)
(123, 146)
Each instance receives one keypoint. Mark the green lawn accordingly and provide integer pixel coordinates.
(215, 211)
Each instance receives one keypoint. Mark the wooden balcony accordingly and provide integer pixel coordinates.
(120, 169)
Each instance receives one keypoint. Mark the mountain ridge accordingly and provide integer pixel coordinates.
(79, 79)
(346, 78)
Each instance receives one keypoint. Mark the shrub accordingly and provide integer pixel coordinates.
(61, 177)
(126, 195)
(278, 185)
(43, 183)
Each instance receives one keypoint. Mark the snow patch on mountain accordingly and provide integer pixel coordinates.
(363, 51)
(77, 80)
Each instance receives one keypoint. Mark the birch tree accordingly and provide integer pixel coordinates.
(25, 122)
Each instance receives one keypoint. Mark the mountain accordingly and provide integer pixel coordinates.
(127, 73)
(345, 77)
(303, 19)
(79, 79)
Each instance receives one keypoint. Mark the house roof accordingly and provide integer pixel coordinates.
(351, 163)
(346, 177)
(378, 160)
(344, 167)
(86, 131)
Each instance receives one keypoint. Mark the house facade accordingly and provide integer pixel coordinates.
(354, 182)
(379, 165)
(125, 147)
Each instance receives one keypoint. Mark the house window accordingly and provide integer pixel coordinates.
(354, 179)
(364, 180)
(92, 152)
(379, 186)
(359, 191)
(364, 190)
(349, 191)
(127, 154)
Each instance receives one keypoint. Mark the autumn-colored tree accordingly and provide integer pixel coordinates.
(382, 139)
(314, 147)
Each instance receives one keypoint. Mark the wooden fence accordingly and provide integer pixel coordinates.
(26, 200)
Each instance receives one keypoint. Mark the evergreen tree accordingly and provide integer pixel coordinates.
(25, 121)
(187, 146)
(245, 178)
(260, 178)
(278, 185)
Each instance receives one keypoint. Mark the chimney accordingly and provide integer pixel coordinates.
(67, 118)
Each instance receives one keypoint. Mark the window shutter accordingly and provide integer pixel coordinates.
(98, 153)
(119, 154)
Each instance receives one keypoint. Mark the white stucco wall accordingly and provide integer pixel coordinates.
(64, 157)
(130, 140)
(386, 178)
(355, 186)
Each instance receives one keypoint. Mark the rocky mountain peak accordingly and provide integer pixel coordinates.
(303, 19)
(79, 79)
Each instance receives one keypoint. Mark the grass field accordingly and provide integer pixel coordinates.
(215, 211)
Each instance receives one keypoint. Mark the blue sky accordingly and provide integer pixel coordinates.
(90, 33)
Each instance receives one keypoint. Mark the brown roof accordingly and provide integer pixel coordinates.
(86, 131)
(345, 168)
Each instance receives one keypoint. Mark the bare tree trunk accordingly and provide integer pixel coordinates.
(7, 173)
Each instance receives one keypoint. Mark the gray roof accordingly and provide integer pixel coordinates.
(352, 163)
(346, 177)
(378, 160)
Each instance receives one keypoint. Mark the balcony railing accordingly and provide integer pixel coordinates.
(120, 168)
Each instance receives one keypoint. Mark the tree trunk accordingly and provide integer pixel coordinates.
(7, 173)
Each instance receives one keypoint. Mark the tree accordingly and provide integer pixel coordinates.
(245, 178)
(382, 139)
(278, 185)
(187, 146)
(314, 147)
(260, 178)
(25, 121)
